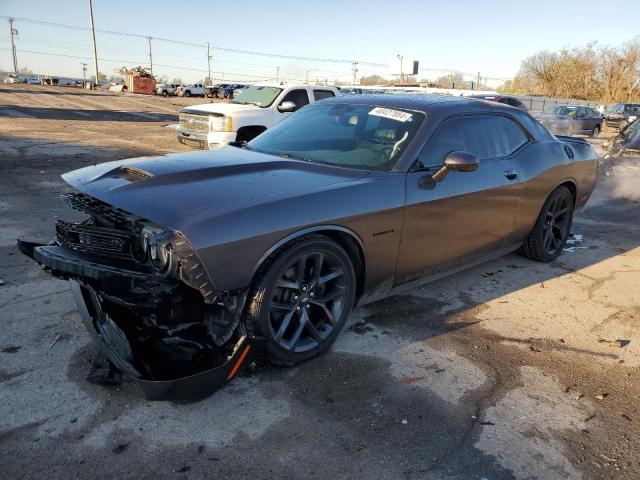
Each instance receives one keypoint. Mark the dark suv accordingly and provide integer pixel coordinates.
(622, 114)
(571, 120)
(506, 99)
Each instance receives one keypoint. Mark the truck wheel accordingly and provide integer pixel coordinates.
(301, 299)
(595, 132)
(165, 93)
(552, 229)
(187, 93)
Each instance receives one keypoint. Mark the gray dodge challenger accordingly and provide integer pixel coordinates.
(188, 265)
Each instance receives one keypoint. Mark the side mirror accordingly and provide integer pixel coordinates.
(457, 162)
(287, 107)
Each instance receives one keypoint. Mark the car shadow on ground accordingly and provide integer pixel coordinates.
(14, 111)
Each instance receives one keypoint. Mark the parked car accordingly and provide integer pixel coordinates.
(230, 89)
(572, 120)
(32, 81)
(627, 141)
(622, 114)
(237, 91)
(189, 264)
(191, 90)
(216, 91)
(166, 89)
(257, 108)
(505, 99)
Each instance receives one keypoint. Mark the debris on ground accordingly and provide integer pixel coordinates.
(11, 349)
(120, 448)
(404, 421)
(55, 340)
(408, 380)
(619, 343)
(360, 328)
(602, 396)
(2, 282)
(104, 372)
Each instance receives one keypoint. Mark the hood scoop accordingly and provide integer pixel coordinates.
(133, 174)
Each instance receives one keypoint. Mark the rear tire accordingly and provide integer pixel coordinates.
(301, 299)
(187, 93)
(552, 229)
(595, 132)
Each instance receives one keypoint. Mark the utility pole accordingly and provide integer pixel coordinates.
(307, 76)
(84, 75)
(209, 62)
(13, 32)
(478, 82)
(401, 57)
(93, 36)
(354, 69)
(150, 57)
(277, 73)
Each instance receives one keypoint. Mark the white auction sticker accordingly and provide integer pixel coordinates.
(391, 113)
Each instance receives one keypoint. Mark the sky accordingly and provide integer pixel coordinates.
(491, 37)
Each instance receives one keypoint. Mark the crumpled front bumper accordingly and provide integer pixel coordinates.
(115, 345)
(113, 341)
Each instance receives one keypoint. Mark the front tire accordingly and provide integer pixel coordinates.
(301, 299)
(595, 132)
(552, 229)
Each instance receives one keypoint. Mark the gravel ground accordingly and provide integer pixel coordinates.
(503, 371)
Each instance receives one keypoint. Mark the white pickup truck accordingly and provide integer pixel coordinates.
(166, 89)
(257, 108)
(191, 90)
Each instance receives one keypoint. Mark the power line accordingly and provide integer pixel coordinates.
(198, 45)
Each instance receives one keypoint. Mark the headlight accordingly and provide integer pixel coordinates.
(220, 124)
(156, 244)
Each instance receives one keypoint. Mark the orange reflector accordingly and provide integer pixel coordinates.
(235, 368)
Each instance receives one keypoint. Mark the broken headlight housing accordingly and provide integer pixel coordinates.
(170, 253)
(156, 246)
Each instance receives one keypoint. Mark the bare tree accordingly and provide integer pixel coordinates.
(592, 72)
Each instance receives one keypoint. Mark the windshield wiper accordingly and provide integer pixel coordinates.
(294, 157)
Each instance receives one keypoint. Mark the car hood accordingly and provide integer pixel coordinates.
(221, 108)
(186, 189)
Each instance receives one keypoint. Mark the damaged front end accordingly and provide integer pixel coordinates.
(148, 301)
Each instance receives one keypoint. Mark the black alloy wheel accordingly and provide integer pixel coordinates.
(552, 229)
(556, 224)
(302, 300)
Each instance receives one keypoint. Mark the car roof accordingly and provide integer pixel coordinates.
(291, 85)
(424, 102)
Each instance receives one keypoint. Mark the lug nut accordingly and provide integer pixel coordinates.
(307, 305)
(297, 309)
(295, 297)
(304, 289)
(312, 294)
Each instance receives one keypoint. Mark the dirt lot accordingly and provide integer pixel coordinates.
(493, 373)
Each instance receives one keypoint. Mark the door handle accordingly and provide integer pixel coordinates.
(511, 174)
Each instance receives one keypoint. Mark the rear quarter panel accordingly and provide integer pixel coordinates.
(553, 167)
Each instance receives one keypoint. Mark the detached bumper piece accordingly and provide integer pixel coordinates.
(115, 344)
(149, 327)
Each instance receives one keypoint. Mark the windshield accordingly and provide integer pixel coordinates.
(260, 96)
(568, 111)
(356, 136)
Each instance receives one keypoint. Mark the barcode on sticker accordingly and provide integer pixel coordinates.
(398, 115)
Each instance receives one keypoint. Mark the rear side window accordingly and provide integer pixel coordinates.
(322, 94)
(485, 136)
(298, 96)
